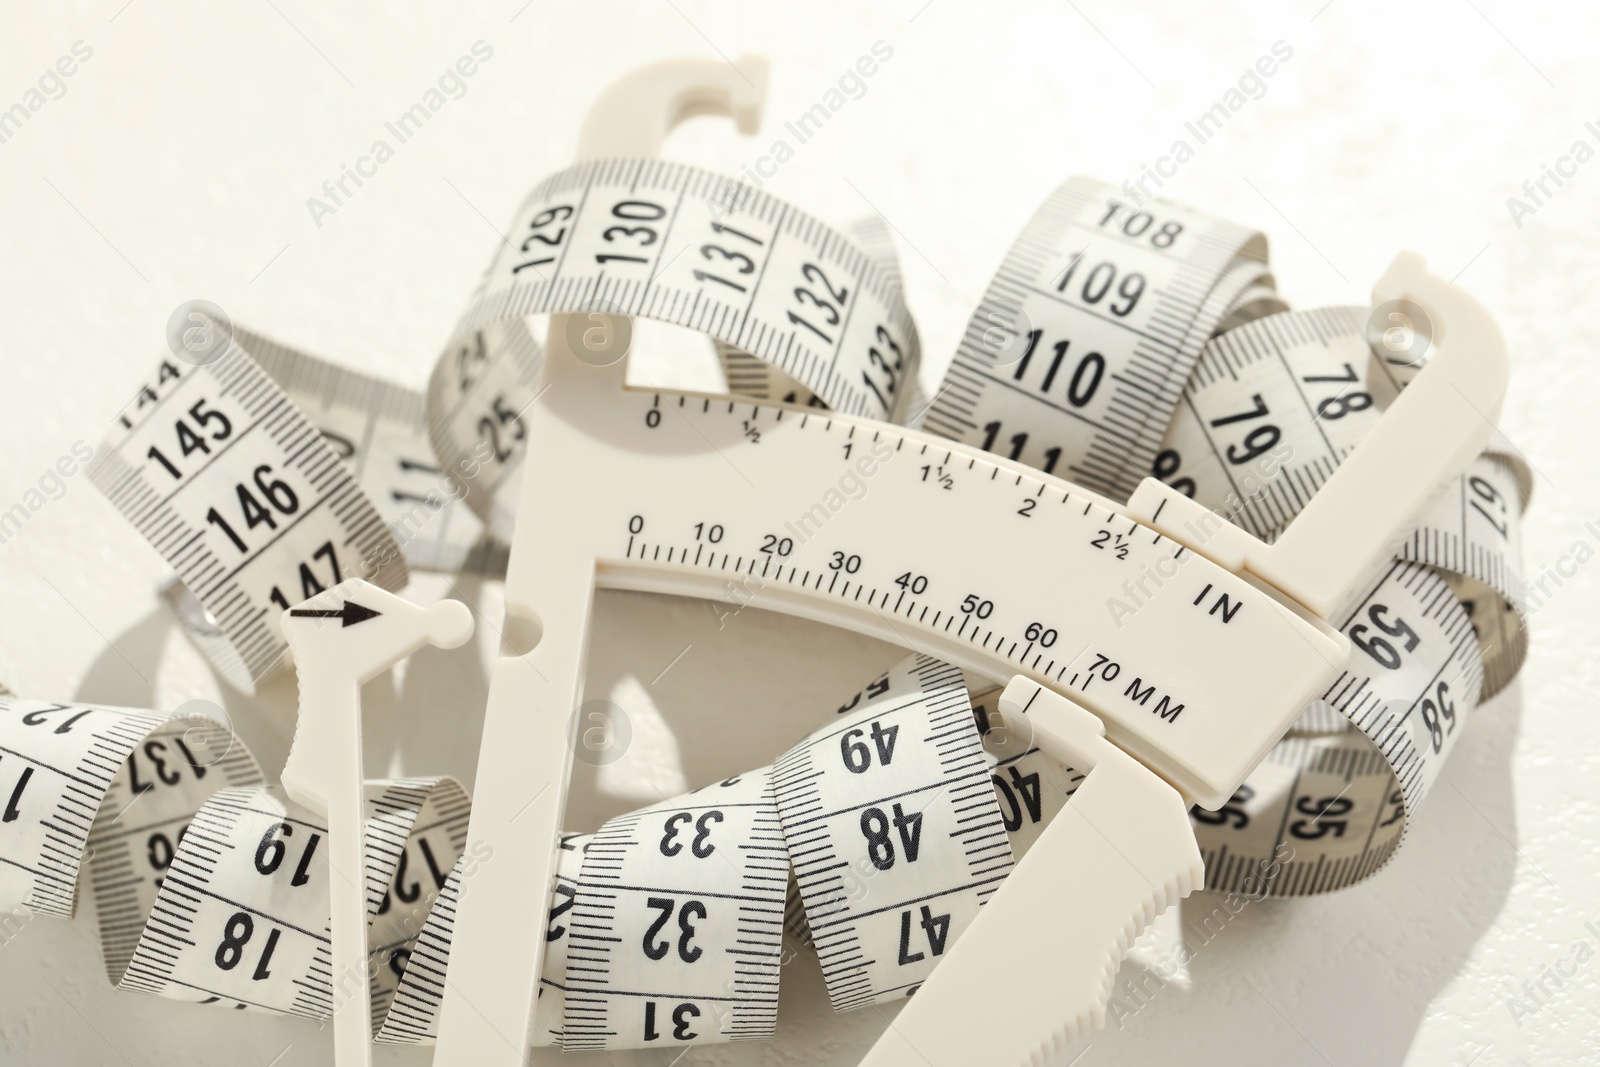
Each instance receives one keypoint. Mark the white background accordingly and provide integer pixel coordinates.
(178, 165)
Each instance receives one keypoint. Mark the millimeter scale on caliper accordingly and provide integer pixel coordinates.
(953, 552)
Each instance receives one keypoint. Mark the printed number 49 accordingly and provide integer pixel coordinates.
(855, 753)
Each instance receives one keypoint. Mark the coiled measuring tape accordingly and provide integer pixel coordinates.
(667, 924)
(208, 885)
(377, 429)
(224, 466)
(1144, 314)
(749, 375)
(240, 492)
(1080, 348)
(748, 270)
(1272, 408)
(900, 768)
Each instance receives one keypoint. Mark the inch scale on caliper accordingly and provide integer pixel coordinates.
(1235, 648)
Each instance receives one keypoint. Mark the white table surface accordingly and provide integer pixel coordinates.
(178, 164)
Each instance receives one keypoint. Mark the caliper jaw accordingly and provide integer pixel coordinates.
(1119, 854)
(1426, 438)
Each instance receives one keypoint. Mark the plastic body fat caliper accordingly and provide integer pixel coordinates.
(1237, 638)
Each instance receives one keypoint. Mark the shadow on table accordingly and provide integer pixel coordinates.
(1344, 978)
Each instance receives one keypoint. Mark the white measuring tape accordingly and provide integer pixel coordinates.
(917, 719)
(666, 926)
(1082, 344)
(1271, 410)
(224, 465)
(677, 921)
(1113, 343)
(749, 375)
(683, 246)
(744, 268)
(377, 428)
(213, 888)
(208, 886)
(242, 495)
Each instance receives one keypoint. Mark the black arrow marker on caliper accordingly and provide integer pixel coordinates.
(351, 613)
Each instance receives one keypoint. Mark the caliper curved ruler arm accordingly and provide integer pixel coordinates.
(956, 553)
